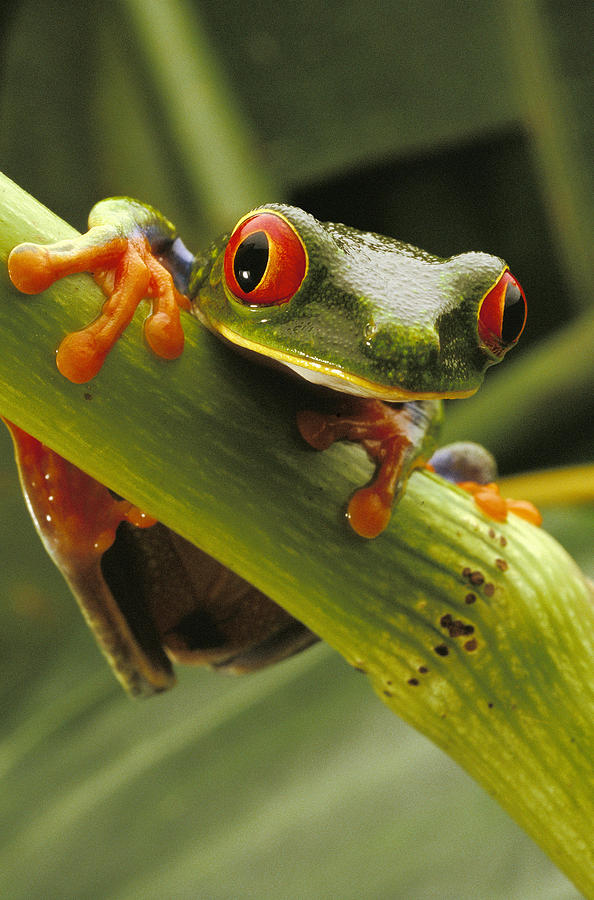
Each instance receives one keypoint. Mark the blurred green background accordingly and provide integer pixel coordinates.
(452, 125)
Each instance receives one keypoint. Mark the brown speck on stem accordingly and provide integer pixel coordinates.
(455, 627)
(441, 650)
(501, 565)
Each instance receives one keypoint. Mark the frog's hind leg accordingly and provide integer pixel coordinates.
(78, 520)
(133, 252)
(474, 469)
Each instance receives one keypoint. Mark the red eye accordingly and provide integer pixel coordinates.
(265, 260)
(502, 314)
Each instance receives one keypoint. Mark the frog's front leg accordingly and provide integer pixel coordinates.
(398, 438)
(124, 250)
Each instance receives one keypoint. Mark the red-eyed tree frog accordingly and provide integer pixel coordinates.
(389, 329)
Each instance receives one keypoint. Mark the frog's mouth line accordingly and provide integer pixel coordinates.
(322, 373)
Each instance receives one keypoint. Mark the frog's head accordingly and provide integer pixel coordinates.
(355, 311)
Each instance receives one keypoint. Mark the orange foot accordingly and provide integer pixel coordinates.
(127, 270)
(488, 499)
(391, 435)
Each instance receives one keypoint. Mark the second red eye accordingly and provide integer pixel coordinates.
(502, 314)
(265, 260)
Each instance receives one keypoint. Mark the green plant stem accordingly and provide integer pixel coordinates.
(217, 148)
(480, 634)
(546, 101)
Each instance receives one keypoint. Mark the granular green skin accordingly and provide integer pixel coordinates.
(369, 306)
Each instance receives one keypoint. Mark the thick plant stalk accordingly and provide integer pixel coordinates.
(481, 634)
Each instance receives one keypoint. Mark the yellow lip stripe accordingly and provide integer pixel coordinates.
(363, 385)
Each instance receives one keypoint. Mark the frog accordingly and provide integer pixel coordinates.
(384, 330)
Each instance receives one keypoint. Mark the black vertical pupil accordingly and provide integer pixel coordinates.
(513, 314)
(251, 259)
